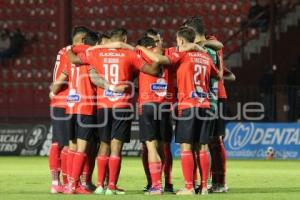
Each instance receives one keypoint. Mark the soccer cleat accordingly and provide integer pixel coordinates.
(100, 190)
(57, 189)
(169, 188)
(220, 189)
(204, 191)
(120, 191)
(82, 190)
(197, 189)
(90, 186)
(68, 190)
(212, 188)
(186, 192)
(154, 191)
(110, 192)
(209, 183)
(146, 188)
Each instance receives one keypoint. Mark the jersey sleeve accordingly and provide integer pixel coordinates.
(80, 48)
(65, 64)
(213, 71)
(174, 58)
(137, 61)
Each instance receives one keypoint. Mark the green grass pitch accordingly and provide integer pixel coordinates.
(28, 178)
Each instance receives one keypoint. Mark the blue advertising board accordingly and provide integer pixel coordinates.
(256, 140)
(247, 140)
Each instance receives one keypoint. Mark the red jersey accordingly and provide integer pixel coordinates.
(82, 93)
(61, 62)
(194, 70)
(155, 89)
(118, 66)
(221, 87)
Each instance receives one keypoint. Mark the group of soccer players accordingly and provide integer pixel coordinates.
(93, 104)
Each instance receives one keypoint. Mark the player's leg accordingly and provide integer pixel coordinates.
(64, 141)
(84, 132)
(204, 159)
(121, 129)
(197, 186)
(219, 153)
(145, 162)
(114, 165)
(166, 130)
(149, 135)
(56, 147)
(185, 135)
(92, 151)
(104, 118)
(223, 159)
(155, 167)
(204, 155)
(70, 125)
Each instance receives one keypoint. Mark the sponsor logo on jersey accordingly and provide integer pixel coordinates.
(111, 54)
(113, 96)
(160, 87)
(73, 98)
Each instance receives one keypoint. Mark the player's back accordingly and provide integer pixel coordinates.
(193, 79)
(118, 66)
(155, 89)
(60, 64)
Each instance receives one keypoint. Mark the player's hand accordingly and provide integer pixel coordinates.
(139, 47)
(51, 95)
(118, 88)
(192, 47)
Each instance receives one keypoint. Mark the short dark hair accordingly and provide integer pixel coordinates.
(146, 41)
(151, 31)
(187, 33)
(80, 29)
(102, 36)
(118, 33)
(91, 38)
(195, 23)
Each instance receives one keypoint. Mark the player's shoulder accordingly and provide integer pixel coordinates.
(64, 50)
(211, 37)
(170, 50)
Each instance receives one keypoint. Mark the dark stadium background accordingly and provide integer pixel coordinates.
(261, 47)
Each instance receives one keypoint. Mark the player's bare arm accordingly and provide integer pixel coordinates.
(57, 85)
(191, 47)
(220, 66)
(214, 44)
(153, 69)
(103, 83)
(113, 45)
(74, 58)
(228, 75)
(155, 57)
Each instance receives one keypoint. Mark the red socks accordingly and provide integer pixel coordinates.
(70, 157)
(155, 172)
(204, 167)
(63, 157)
(196, 161)
(146, 164)
(78, 163)
(114, 167)
(102, 162)
(187, 165)
(85, 172)
(54, 163)
(168, 164)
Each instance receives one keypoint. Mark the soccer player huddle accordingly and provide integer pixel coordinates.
(93, 104)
